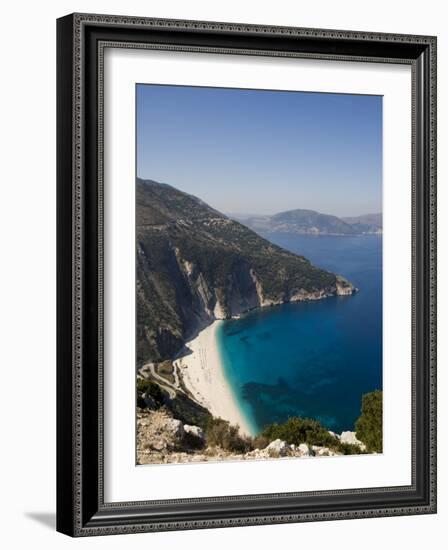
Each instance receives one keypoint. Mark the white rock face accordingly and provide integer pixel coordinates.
(258, 286)
(304, 449)
(343, 287)
(278, 447)
(351, 439)
(194, 430)
(175, 428)
(188, 267)
(323, 451)
(218, 311)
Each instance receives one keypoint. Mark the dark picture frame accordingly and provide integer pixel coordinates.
(81, 509)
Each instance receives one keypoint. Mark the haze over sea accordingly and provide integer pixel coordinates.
(311, 359)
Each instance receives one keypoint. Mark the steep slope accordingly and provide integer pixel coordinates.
(195, 265)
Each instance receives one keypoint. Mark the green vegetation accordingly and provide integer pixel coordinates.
(306, 221)
(188, 411)
(299, 430)
(295, 430)
(311, 222)
(304, 430)
(369, 426)
(150, 388)
(192, 443)
(220, 433)
(165, 370)
(348, 449)
(181, 407)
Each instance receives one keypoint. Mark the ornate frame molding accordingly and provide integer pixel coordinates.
(81, 42)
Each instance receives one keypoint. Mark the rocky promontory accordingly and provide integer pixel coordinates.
(196, 265)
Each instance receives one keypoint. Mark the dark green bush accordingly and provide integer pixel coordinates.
(369, 426)
(188, 411)
(300, 430)
(192, 442)
(150, 388)
(260, 442)
(347, 449)
(220, 433)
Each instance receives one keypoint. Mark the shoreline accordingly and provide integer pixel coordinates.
(203, 374)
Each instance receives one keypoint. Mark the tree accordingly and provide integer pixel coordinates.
(222, 434)
(300, 430)
(369, 426)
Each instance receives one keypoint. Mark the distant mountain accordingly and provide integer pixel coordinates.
(310, 222)
(195, 265)
(369, 223)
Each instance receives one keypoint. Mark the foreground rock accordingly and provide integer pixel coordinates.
(163, 439)
(278, 448)
(195, 431)
(351, 439)
(158, 432)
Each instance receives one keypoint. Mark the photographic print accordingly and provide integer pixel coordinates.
(258, 274)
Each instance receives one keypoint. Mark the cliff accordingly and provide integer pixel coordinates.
(195, 265)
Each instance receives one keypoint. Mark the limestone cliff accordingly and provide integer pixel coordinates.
(195, 265)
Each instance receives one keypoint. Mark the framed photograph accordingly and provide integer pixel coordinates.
(246, 274)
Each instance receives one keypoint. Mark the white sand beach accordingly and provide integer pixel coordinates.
(203, 375)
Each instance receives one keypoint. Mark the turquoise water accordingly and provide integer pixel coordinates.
(312, 359)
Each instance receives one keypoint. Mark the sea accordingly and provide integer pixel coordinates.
(311, 359)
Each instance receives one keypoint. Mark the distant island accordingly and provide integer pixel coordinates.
(310, 222)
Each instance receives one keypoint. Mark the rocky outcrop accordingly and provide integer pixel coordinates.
(195, 431)
(344, 287)
(163, 439)
(278, 448)
(350, 439)
(155, 432)
(305, 449)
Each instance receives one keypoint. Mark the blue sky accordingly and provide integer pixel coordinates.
(262, 152)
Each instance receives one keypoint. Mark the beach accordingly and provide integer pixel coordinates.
(203, 375)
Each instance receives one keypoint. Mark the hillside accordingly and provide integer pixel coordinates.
(310, 222)
(368, 223)
(195, 265)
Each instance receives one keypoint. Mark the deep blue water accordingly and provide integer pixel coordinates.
(312, 359)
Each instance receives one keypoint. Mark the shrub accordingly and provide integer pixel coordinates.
(369, 426)
(150, 388)
(189, 411)
(260, 442)
(348, 449)
(220, 433)
(300, 430)
(193, 442)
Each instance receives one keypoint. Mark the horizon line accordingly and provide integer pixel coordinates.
(230, 213)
